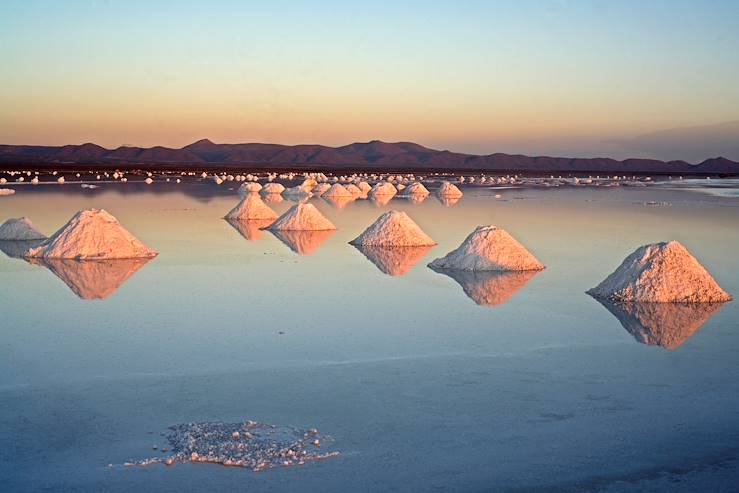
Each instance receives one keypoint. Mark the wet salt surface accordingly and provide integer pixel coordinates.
(424, 381)
(256, 446)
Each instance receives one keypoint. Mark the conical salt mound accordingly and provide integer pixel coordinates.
(92, 234)
(302, 217)
(393, 229)
(251, 207)
(661, 273)
(662, 324)
(448, 189)
(383, 188)
(249, 187)
(337, 190)
(21, 229)
(489, 248)
(415, 188)
(18, 248)
(272, 188)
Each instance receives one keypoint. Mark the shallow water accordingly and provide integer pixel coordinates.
(424, 380)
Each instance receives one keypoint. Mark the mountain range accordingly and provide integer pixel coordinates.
(374, 155)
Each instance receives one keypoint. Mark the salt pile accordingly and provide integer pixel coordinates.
(661, 273)
(489, 288)
(448, 189)
(415, 189)
(337, 190)
(20, 229)
(662, 324)
(249, 187)
(272, 188)
(92, 279)
(364, 187)
(489, 248)
(303, 242)
(251, 207)
(92, 234)
(302, 217)
(396, 261)
(252, 445)
(383, 188)
(18, 248)
(273, 198)
(321, 188)
(393, 229)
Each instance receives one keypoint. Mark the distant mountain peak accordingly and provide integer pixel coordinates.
(200, 143)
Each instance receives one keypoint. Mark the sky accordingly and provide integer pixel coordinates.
(576, 78)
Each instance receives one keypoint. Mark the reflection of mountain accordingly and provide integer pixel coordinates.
(251, 229)
(447, 201)
(303, 242)
(16, 249)
(339, 202)
(489, 288)
(92, 279)
(662, 324)
(393, 261)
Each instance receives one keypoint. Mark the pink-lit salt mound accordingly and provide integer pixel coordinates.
(302, 217)
(92, 234)
(489, 248)
(394, 229)
(251, 207)
(661, 273)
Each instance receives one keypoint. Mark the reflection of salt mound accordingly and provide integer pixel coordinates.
(92, 279)
(252, 445)
(661, 272)
(381, 200)
(396, 261)
(662, 324)
(296, 194)
(92, 234)
(251, 207)
(251, 229)
(18, 248)
(339, 202)
(302, 217)
(447, 201)
(272, 188)
(337, 190)
(273, 198)
(303, 242)
(20, 229)
(489, 248)
(448, 189)
(393, 229)
(249, 187)
(415, 189)
(489, 288)
(415, 199)
(383, 188)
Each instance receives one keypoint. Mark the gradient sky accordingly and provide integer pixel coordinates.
(560, 77)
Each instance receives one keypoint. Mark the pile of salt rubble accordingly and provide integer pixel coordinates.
(251, 445)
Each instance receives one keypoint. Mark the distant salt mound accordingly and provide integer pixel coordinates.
(394, 229)
(667, 325)
(308, 184)
(270, 188)
(251, 207)
(489, 288)
(397, 261)
(18, 248)
(321, 188)
(92, 234)
(249, 187)
(489, 248)
(302, 217)
(337, 190)
(661, 273)
(383, 188)
(20, 229)
(364, 187)
(355, 191)
(415, 189)
(448, 189)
